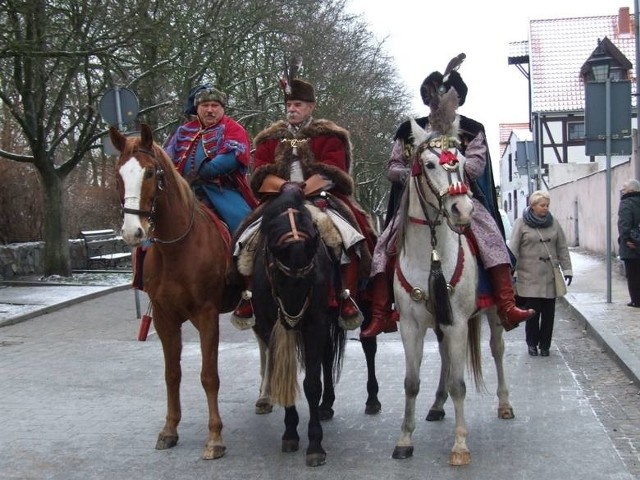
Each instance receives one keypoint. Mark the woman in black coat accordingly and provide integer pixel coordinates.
(629, 219)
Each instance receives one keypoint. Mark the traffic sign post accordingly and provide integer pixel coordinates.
(119, 107)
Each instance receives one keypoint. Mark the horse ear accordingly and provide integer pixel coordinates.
(146, 137)
(419, 134)
(117, 139)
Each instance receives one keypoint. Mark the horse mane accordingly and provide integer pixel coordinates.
(443, 119)
(170, 171)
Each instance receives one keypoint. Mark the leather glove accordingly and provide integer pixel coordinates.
(568, 279)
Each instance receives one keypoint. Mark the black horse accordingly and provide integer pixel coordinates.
(292, 273)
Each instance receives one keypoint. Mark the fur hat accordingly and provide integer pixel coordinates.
(208, 93)
(435, 84)
(299, 90)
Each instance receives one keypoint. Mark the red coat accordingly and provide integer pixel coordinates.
(322, 147)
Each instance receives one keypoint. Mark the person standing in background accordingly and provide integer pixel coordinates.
(538, 243)
(629, 250)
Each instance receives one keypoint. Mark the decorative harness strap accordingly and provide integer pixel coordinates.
(294, 235)
(416, 293)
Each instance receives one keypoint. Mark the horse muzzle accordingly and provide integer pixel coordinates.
(462, 211)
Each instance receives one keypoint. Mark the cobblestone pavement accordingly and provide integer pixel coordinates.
(611, 392)
(82, 399)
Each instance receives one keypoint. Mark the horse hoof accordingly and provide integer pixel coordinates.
(458, 459)
(325, 413)
(166, 441)
(400, 453)
(211, 452)
(435, 415)
(372, 408)
(316, 459)
(289, 446)
(506, 413)
(263, 407)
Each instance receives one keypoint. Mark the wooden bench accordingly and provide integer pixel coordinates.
(104, 248)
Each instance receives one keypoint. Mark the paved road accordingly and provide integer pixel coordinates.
(82, 399)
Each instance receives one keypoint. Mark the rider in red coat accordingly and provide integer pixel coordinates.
(305, 150)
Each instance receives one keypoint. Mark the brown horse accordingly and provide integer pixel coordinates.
(183, 273)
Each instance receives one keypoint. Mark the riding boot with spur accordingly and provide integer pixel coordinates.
(242, 317)
(350, 315)
(381, 313)
(511, 316)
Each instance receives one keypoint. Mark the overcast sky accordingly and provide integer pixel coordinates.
(423, 38)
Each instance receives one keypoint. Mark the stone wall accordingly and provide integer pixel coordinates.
(27, 259)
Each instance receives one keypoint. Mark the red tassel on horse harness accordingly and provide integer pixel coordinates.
(145, 323)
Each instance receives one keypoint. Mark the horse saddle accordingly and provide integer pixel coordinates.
(311, 186)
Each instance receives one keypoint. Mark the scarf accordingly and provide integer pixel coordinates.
(533, 221)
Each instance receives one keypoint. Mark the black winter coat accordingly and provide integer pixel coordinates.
(628, 218)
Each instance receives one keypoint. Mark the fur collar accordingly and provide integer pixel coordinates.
(283, 155)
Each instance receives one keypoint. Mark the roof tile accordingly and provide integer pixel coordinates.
(558, 49)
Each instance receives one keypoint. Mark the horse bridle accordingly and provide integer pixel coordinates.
(292, 236)
(150, 214)
(448, 160)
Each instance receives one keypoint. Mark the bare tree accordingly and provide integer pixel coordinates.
(58, 57)
(52, 51)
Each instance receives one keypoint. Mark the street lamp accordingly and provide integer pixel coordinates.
(604, 74)
(599, 64)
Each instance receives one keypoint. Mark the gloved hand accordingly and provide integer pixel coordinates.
(568, 279)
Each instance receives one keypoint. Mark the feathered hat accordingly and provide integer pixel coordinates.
(436, 84)
(293, 87)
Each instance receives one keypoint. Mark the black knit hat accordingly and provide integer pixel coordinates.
(434, 85)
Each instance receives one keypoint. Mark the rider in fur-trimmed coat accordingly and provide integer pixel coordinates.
(317, 154)
(487, 232)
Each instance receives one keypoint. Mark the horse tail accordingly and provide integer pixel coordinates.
(337, 340)
(283, 365)
(439, 294)
(474, 342)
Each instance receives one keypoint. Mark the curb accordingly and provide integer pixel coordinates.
(58, 306)
(617, 350)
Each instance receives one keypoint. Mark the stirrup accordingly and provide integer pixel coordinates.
(242, 317)
(354, 320)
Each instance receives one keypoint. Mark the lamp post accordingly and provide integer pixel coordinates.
(600, 70)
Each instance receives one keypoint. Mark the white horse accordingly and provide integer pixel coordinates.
(436, 283)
